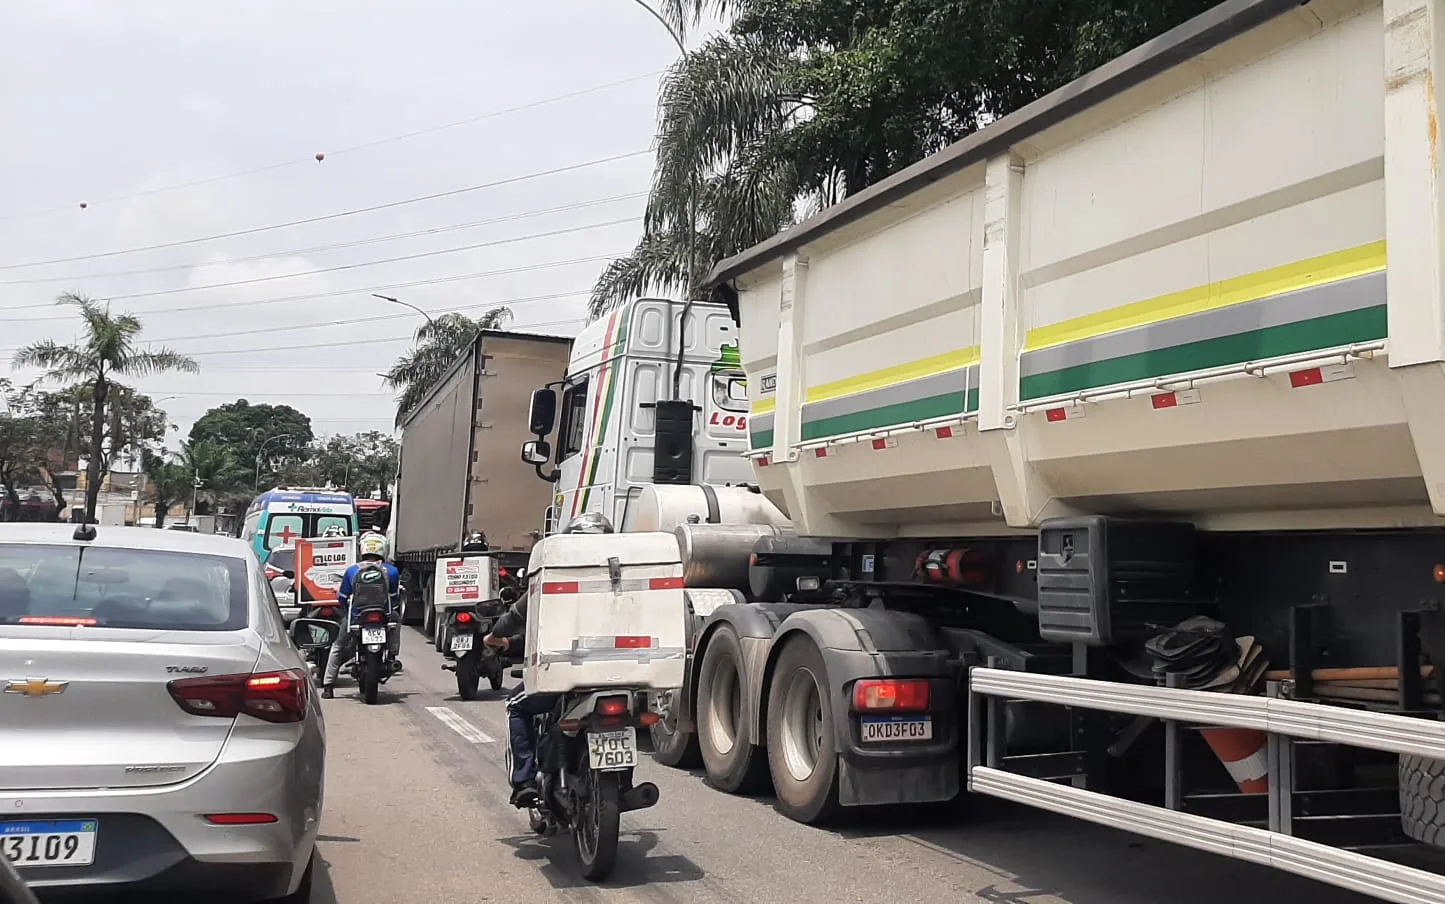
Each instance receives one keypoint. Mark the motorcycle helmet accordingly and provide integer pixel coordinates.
(372, 544)
(476, 541)
(589, 523)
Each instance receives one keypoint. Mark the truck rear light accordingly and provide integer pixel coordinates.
(240, 819)
(665, 584)
(611, 706)
(277, 697)
(891, 695)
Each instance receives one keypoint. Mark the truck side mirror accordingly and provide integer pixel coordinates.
(542, 415)
(536, 452)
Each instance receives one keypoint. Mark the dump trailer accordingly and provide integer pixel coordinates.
(1111, 441)
(457, 472)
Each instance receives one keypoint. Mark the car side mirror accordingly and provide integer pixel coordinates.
(314, 633)
(536, 452)
(542, 415)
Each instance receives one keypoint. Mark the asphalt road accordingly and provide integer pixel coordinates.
(416, 811)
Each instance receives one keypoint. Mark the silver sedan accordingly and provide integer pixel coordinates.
(160, 731)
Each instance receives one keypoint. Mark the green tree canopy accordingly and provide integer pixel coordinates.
(801, 103)
(106, 350)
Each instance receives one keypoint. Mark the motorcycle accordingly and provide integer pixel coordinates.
(586, 754)
(466, 626)
(372, 663)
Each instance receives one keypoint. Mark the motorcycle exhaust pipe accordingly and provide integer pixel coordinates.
(639, 797)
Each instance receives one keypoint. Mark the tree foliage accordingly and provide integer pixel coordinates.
(107, 349)
(169, 481)
(360, 464)
(437, 346)
(801, 103)
(277, 435)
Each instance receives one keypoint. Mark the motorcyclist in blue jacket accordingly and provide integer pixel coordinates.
(372, 549)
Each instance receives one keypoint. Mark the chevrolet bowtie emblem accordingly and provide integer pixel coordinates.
(35, 687)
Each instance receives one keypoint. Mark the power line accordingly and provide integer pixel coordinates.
(292, 252)
(346, 150)
(339, 292)
(335, 216)
(376, 263)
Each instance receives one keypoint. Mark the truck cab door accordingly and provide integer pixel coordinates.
(575, 412)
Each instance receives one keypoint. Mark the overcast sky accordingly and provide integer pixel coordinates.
(113, 104)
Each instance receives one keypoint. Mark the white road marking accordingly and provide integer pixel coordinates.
(456, 723)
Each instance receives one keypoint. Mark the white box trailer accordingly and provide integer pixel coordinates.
(1168, 343)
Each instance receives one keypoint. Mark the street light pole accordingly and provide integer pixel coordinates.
(405, 304)
(259, 450)
(692, 192)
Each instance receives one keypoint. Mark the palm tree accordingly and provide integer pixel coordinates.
(106, 350)
(170, 482)
(212, 467)
(438, 345)
(719, 185)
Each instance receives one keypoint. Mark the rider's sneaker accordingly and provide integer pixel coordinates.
(524, 797)
(327, 693)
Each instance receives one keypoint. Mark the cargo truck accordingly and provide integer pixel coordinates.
(457, 471)
(1111, 445)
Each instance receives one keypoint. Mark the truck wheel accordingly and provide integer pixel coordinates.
(802, 746)
(733, 764)
(1422, 799)
(428, 620)
(670, 747)
(442, 635)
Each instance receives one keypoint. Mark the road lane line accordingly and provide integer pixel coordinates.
(456, 723)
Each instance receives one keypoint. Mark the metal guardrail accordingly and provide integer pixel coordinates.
(1280, 719)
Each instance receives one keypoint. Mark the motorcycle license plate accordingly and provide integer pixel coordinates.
(612, 750)
(462, 643)
(373, 635)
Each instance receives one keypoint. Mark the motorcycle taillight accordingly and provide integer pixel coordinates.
(374, 617)
(326, 613)
(464, 618)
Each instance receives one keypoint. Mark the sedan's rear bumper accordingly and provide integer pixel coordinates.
(159, 837)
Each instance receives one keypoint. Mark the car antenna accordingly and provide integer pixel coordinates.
(84, 532)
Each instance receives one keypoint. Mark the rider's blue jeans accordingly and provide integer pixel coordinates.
(521, 736)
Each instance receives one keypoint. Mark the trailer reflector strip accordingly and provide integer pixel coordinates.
(820, 452)
(1064, 413)
(1314, 376)
(1164, 400)
(560, 587)
(944, 433)
(886, 442)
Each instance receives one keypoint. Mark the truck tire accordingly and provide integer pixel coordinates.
(733, 765)
(1422, 799)
(802, 743)
(428, 619)
(441, 638)
(671, 747)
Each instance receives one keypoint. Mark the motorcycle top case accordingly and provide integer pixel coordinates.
(605, 610)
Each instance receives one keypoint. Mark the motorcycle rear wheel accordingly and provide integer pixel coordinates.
(468, 681)
(596, 826)
(370, 676)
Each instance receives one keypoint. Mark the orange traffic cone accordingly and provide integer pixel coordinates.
(1242, 751)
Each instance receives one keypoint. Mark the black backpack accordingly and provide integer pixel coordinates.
(370, 589)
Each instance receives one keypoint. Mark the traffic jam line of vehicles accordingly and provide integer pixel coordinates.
(1096, 462)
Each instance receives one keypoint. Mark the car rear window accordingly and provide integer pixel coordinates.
(121, 588)
(284, 559)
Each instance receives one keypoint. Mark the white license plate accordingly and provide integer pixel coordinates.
(613, 749)
(370, 636)
(897, 728)
(62, 843)
(461, 643)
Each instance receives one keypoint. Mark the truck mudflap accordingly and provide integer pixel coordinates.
(918, 763)
(1278, 843)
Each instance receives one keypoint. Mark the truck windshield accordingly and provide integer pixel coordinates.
(121, 588)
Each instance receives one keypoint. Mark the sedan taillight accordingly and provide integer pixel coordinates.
(278, 697)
